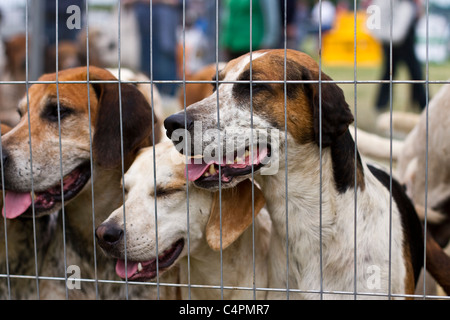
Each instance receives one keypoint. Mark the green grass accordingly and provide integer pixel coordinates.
(366, 93)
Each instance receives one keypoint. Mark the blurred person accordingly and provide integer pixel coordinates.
(288, 10)
(265, 17)
(64, 33)
(69, 51)
(403, 39)
(203, 14)
(165, 21)
(302, 21)
(323, 15)
(327, 10)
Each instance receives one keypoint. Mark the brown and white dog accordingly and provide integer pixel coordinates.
(197, 91)
(375, 249)
(190, 238)
(59, 138)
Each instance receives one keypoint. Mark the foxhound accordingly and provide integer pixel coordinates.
(55, 126)
(337, 232)
(173, 238)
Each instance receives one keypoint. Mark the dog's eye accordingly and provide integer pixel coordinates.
(258, 87)
(161, 192)
(242, 90)
(51, 112)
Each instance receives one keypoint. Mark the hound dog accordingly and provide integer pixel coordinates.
(181, 232)
(427, 145)
(194, 92)
(56, 126)
(412, 160)
(335, 227)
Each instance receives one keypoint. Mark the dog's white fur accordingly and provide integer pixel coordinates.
(204, 264)
(316, 228)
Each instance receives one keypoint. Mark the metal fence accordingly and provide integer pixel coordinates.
(30, 268)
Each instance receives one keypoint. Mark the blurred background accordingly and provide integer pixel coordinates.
(174, 39)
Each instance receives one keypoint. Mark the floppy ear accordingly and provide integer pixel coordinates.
(236, 214)
(136, 122)
(336, 114)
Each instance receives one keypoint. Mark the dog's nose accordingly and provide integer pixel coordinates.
(177, 121)
(108, 234)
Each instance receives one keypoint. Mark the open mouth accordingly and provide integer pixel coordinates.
(20, 203)
(240, 163)
(147, 270)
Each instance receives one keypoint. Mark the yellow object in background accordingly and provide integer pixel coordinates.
(338, 44)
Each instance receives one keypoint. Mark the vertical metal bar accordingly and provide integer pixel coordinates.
(153, 147)
(355, 219)
(121, 148)
(5, 229)
(220, 175)
(427, 75)
(285, 150)
(251, 150)
(91, 162)
(186, 146)
(390, 147)
(320, 148)
(31, 150)
(61, 170)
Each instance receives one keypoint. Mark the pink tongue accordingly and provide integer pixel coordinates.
(131, 268)
(195, 171)
(16, 204)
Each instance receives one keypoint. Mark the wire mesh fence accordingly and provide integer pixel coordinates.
(88, 138)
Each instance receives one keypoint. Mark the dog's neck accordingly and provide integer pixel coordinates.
(106, 197)
(236, 264)
(311, 175)
(300, 174)
(319, 199)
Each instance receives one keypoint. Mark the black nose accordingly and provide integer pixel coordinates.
(176, 121)
(108, 234)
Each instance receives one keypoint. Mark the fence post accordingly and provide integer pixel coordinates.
(36, 45)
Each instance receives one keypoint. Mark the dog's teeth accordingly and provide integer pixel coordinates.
(246, 154)
(237, 160)
(212, 170)
(139, 267)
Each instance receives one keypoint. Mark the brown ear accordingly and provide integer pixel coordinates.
(136, 122)
(336, 114)
(236, 214)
